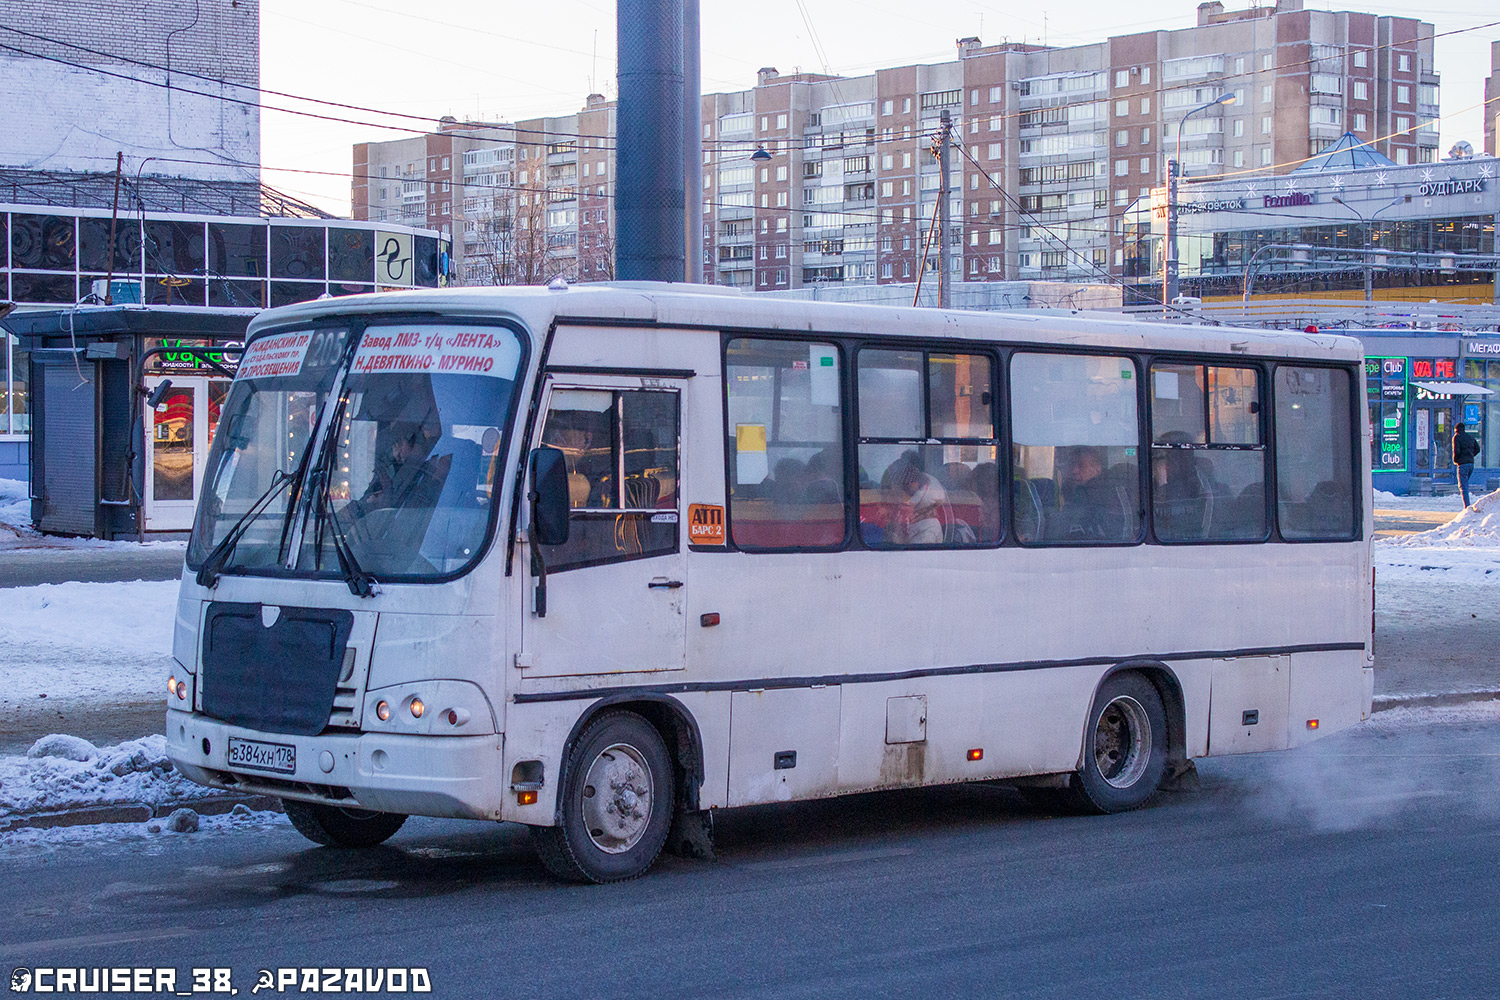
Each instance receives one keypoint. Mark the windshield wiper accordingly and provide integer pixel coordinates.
(361, 583)
(218, 556)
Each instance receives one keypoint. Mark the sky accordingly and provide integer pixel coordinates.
(508, 61)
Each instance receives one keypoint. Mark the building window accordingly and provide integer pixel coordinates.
(1122, 198)
(1403, 157)
(1239, 66)
(1265, 94)
(1265, 156)
(781, 121)
(997, 94)
(1403, 63)
(1359, 123)
(1145, 105)
(1122, 78)
(1145, 137)
(1360, 58)
(1403, 124)
(1359, 90)
(1267, 61)
(1122, 137)
(906, 105)
(1122, 109)
(1145, 164)
(1265, 125)
(1403, 94)
(1239, 127)
(1239, 157)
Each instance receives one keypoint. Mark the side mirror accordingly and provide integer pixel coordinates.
(153, 398)
(549, 496)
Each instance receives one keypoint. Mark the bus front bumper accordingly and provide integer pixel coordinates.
(449, 776)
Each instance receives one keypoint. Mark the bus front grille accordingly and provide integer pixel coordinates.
(276, 670)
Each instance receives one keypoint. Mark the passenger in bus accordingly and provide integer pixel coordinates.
(1182, 492)
(918, 503)
(408, 478)
(1092, 509)
(821, 483)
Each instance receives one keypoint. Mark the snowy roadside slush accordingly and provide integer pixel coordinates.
(65, 784)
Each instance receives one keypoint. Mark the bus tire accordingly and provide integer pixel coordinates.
(616, 803)
(1125, 747)
(335, 826)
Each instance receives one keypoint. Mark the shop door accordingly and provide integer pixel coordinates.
(178, 434)
(1442, 444)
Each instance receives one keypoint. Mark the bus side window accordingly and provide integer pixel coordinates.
(928, 470)
(786, 447)
(620, 449)
(1314, 456)
(1208, 462)
(1075, 449)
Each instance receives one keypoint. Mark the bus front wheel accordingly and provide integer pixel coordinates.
(616, 806)
(1125, 747)
(334, 826)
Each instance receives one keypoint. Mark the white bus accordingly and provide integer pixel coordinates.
(599, 560)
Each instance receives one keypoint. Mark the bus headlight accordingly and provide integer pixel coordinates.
(437, 707)
(179, 689)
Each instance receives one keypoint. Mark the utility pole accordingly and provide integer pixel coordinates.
(650, 232)
(1169, 246)
(114, 218)
(944, 136)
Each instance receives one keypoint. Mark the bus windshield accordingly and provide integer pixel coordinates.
(401, 475)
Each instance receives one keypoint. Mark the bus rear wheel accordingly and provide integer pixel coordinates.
(335, 826)
(616, 806)
(1125, 747)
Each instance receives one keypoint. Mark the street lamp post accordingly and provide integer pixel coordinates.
(1174, 167)
(1364, 225)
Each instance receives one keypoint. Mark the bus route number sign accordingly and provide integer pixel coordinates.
(705, 524)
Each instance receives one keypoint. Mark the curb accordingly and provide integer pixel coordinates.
(1386, 702)
(134, 812)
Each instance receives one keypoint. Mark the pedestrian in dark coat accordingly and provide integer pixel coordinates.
(1465, 449)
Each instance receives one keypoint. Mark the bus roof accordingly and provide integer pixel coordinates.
(664, 304)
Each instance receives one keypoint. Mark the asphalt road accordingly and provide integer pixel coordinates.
(27, 567)
(1363, 866)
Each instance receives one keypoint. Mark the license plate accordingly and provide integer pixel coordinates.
(259, 756)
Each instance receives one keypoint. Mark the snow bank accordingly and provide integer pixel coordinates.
(136, 771)
(1391, 501)
(1475, 527)
(16, 531)
(15, 508)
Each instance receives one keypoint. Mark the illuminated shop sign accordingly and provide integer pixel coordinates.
(1451, 186)
(1288, 200)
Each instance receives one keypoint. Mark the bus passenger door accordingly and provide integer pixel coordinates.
(616, 589)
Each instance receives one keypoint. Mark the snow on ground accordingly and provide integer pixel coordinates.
(1391, 501)
(86, 640)
(150, 837)
(16, 531)
(1476, 527)
(65, 772)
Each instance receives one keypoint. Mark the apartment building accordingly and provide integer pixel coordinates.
(812, 179)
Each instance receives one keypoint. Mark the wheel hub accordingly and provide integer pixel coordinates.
(617, 798)
(1122, 742)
